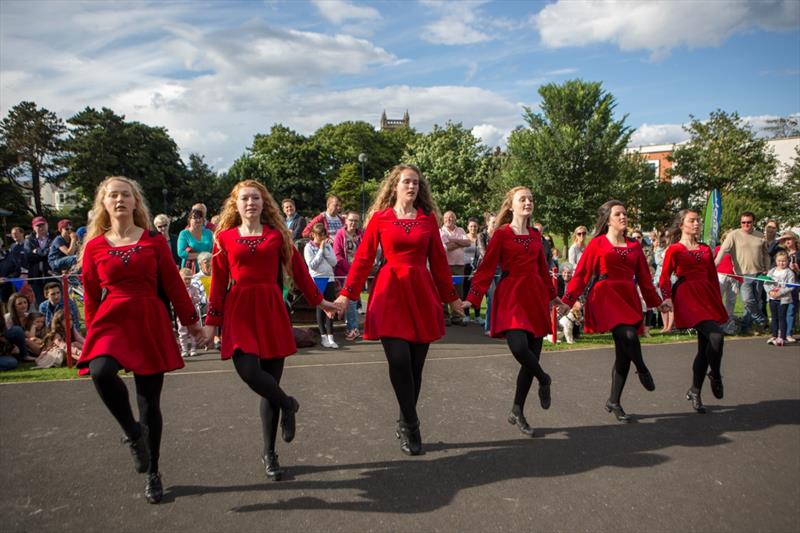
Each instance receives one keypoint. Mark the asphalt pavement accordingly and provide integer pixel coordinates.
(736, 468)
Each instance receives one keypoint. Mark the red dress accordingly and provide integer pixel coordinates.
(522, 297)
(699, 298)
(406, 299)
(130, 322)
(246, 297)
(613, 299)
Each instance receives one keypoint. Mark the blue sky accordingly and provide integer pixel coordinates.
(216, 73)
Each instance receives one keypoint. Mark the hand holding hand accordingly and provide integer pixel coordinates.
(465, 305)
(329, 308)
(340, 305)
(197, 333)
(208, 335)
(666, 306)
(458, 307)
(563, 309)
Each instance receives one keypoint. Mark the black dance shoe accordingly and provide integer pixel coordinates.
(618, 411)
(647, 380)
(153, 491)
(697, 402)
(518, 419)
(288, 421)
(272, 468)
(544, 391)
(410, 438)
(716, 386)
(140, 450)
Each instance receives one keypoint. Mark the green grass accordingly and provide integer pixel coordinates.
(26, 372)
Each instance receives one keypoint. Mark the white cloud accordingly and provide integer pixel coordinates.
(649, 134)
(658, 25)
(491, 135)
(338, 11)
(458, 23)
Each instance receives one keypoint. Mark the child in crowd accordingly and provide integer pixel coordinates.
(34, 332)
(320, 259)
(202, 280)
(54, 347)
(780, 296)
(198, 296)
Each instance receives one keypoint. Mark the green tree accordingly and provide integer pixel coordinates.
(569, 154)
(648, 199)
(32, 138)
(101, 143)
(724, 153)
(454, 162)
(288, 164)
(347, 186)
(201, 184)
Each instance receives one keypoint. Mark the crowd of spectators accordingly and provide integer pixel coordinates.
(751, 265)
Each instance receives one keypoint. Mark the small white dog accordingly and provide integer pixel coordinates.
(568, 323)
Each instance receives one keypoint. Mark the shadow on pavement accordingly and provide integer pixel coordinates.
(421, 486)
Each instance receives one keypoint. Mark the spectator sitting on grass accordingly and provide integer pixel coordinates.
(18, 308)
(34, 332)
(54, 302)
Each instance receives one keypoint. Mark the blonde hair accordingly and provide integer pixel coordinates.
(185, 272)
(271, 216)
(575, 238)
(101, 222)
(387, 194)
(505, 214)
(161, 218)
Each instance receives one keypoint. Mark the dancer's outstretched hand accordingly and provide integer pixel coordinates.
(340, 305)
(329, 308)
(208, 335)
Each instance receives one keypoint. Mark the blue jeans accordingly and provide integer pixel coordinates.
(16, 336)
(752, 293)
(63, 263)
(8, 362)
(351, 317)
(791, 313)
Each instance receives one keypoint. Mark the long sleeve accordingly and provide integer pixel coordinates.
(667, 268)
(645, 280)
(572, 254)
(307, 229)
(544, 272)
(302, 279)
(314, 255)
(340, 250)
(220, 278)
(362, 262)
(183, 244)
(482, 278)
(725, 248)
(173, 286)
(92, 292)
(439, 268)
(329, 256)
(583, 273)
(76, 317)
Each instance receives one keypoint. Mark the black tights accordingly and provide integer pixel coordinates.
(406, 360)
(104, 371)
(627, 350)
(709, 352)
(526, 350)
(264, 377)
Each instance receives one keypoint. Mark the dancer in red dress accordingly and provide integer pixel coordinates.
(124, 265)
(617, 264)
(698, 303)
(253, 250)
(404, 310)
(520, 312)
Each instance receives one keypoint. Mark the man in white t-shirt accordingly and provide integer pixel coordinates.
(454, 240)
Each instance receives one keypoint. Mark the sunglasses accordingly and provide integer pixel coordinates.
(746, 222)
(581, 233)
(163, 226)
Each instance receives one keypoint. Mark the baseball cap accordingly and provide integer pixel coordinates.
(63, 223)
(38, 220)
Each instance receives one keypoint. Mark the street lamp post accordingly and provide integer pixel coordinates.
(362, 158)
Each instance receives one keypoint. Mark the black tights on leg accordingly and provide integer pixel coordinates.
(710, 340)
(406, 361)
(270, 412)
(262, 382)
(104, 371)
(627, 350)
(148, 397)
(526, 350)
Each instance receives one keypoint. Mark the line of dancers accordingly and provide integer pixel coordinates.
(129, 276)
